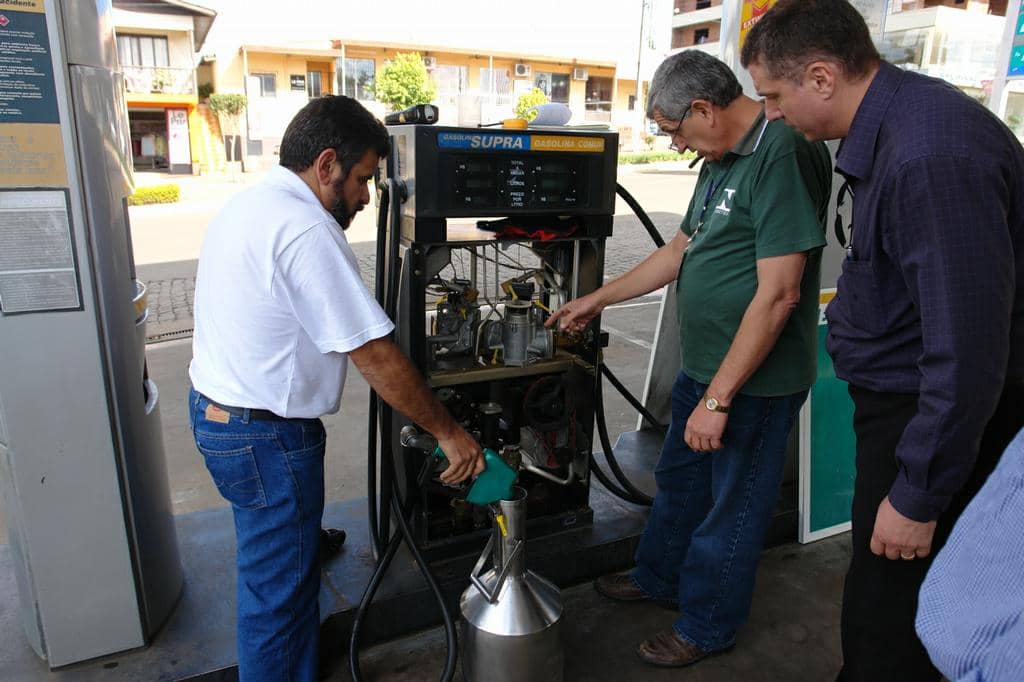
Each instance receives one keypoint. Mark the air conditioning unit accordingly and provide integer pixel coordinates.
(430, 62)
(523, 70)
(579, 74)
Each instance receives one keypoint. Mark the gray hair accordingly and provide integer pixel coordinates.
(690, 75)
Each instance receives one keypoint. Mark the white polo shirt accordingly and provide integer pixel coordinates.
(279, 303)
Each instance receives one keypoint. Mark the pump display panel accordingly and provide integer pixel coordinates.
(475, 172)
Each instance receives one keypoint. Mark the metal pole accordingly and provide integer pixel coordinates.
(997, 102)
(637, 107)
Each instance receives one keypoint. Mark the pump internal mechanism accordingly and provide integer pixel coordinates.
(523, 390)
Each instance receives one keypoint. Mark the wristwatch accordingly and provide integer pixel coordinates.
(713, 405)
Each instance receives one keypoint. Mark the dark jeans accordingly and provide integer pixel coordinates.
(272, 473)
(880, 599)
(705, 532)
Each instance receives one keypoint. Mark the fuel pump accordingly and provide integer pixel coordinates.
(490, 232)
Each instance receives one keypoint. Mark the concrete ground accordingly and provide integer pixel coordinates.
(792, 635)
(793, 631)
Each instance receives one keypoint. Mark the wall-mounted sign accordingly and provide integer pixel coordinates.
(1016, 66)
(37, 262)
(179, 151)
(298, 82)
(31, 149)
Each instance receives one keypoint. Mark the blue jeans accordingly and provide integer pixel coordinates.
(272, 473)
(706, 529)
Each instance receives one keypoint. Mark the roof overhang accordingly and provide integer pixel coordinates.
(202, 17)
(297, 50)
(476, 52)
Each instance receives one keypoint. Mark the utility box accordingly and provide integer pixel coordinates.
(82, 468)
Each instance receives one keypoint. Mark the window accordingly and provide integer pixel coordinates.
(142, 50)
(554, 85)
(599, 99)
(703, 4)
(500, 90)
(451, 81)
(358, 79)
(263, 84)
(314, 84)
(700, 36)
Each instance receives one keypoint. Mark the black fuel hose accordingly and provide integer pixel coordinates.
(404, 534)
(636, 495)
(630, 398)
(628, 491)
(380, 413)
(640, 213)
(383, 198)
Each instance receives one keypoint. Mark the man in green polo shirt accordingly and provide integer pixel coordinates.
(746, 263)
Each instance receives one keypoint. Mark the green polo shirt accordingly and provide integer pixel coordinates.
(767, 197)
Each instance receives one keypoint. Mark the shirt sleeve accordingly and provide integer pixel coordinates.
(784, 213)
(952, 245)
(970, 609)
(317, 276)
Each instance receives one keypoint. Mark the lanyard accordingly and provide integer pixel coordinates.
(713, 187)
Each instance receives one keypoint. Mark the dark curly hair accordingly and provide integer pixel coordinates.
(332, 122)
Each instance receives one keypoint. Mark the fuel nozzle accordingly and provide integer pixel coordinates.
(411, 438)
(492, 484)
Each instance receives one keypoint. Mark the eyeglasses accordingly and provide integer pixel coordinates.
(673, 145)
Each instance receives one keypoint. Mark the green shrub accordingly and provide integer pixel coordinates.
(651, 157)
(155, 194)
(404, 82)
(527, 101)
(205, 90)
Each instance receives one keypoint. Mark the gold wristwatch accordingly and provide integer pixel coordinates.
(713, 405)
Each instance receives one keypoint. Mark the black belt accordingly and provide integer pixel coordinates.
(265, 415)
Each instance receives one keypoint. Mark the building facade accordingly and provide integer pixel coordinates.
(157, 41)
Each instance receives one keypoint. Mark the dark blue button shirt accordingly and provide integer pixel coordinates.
(931, 297)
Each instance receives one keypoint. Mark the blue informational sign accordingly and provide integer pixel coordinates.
(27, 93)
(1016, 66)
(490, 141)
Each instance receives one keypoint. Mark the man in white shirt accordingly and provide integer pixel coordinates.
(279, 310)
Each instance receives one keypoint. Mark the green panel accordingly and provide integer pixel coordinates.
(832, 445)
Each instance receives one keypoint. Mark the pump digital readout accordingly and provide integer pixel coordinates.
(509, 181)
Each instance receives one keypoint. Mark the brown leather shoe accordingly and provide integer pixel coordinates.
(620, 587)
(669, 650)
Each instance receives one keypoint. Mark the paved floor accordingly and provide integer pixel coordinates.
(792, 635)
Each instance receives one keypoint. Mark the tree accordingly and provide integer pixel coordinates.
(404, 82)
(527, 101)
(228, 107)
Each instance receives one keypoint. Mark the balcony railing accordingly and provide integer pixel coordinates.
(166, 80)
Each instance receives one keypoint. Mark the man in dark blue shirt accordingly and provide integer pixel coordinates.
(927, 325)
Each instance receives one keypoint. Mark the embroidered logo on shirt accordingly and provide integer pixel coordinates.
(723, 208)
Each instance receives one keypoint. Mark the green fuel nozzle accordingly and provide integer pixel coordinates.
(492, 484)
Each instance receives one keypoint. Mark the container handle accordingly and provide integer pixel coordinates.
(474, 577)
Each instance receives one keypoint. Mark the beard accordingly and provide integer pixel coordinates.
(343, 214)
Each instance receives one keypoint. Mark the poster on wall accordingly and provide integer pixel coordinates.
(179, 151)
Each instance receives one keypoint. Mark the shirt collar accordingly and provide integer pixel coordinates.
(856, 155)
(279, 175)
(747, 144)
